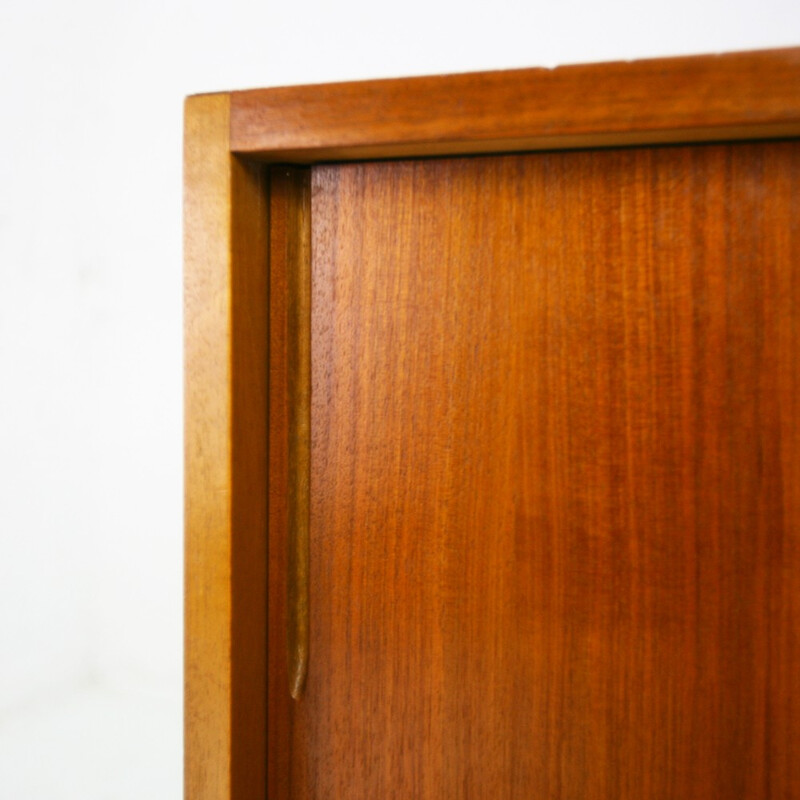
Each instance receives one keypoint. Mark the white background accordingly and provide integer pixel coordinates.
(90, 318)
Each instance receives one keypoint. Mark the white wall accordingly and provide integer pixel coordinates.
(90, 297)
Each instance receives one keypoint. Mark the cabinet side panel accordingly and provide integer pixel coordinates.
(207, 449)
(249, 442)
(225, 402)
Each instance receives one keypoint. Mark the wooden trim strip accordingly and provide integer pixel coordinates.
(698, 98)
(291, 213)
(289, 423)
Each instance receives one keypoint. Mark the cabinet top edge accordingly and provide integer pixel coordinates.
(741, 95)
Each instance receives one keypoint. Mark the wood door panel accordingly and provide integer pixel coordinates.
(555, 504)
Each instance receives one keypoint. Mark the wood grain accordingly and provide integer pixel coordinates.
(555, 483)
(292, 256)
(226, 225)
(289, 454)
(733, 96)
(555, 519)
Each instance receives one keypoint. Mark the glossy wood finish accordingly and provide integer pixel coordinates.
(289, 453)
(290, 337)
(555, 517)
(226, 226)
(700, 98)
(555, 483)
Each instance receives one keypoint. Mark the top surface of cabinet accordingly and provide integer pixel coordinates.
(733, 96)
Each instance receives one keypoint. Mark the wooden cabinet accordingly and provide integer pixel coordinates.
(492, 435)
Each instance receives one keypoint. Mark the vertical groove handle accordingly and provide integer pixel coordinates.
(298, 261)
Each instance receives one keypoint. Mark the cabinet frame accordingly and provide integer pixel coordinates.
(233, 230)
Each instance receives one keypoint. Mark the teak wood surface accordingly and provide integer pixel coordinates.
(555, 489)
(225, 247)
(555, 478)
(733, 96)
